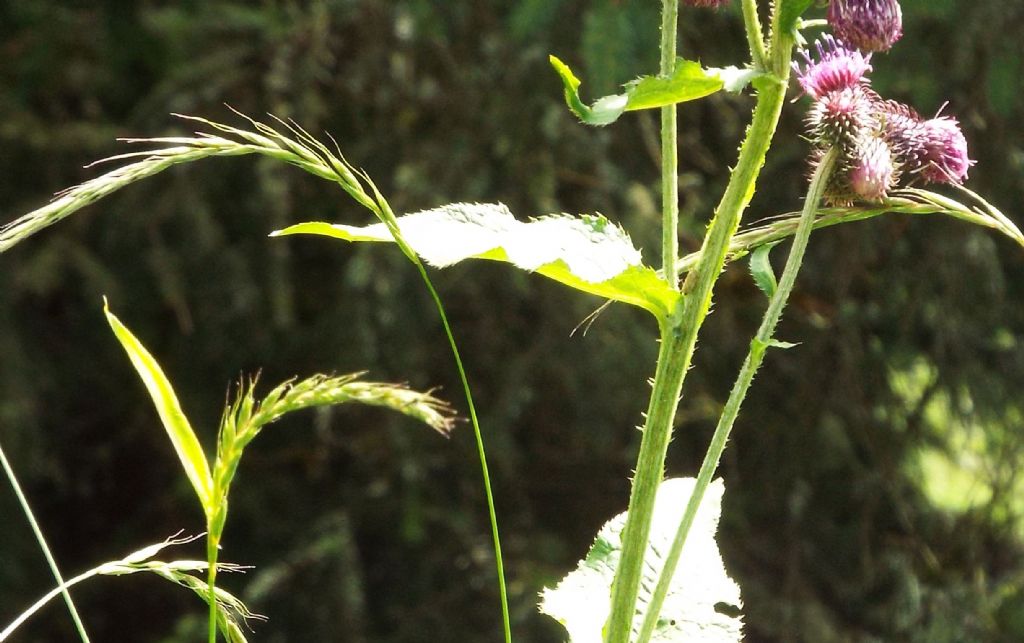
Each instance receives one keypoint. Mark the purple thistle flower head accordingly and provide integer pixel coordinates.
(841, 117)
(872, 172)
(945, 151)
(935, 149)
(836, 68)
(903, 131)
(868, 25)
(706, 3)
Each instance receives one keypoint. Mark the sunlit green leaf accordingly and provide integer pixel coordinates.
(604, 111)
(761, 269)
(184, 439)
(700, 585)
(588, 253)
(689, 82)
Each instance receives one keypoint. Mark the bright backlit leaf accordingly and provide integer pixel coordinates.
(701, 598)
(588, 253)
(689, 82)
(184, 439)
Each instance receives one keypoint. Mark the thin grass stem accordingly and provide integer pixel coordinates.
(30, 516)
(62, 588)
(211, 579)
(388, 217)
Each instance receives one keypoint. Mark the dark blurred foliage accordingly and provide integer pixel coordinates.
(364, 527)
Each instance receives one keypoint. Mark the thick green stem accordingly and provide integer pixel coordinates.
(679, 336)
(758, 346)
(30, 516)
(669, 143)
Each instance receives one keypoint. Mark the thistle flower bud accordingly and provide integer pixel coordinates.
(903, 130)
(706, 3)
(872, 172)
(934, 149)
(837, 68)
(841, 117)
(945, 151)
(868, 25)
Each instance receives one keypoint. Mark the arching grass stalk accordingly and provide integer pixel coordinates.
(30, 516)
(303, 151)
(906, 201)
(758, 346)
(230, 610)
(679, 331)
(388, 216)
(318, 159)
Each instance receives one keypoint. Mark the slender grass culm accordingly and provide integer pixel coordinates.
(654, 572)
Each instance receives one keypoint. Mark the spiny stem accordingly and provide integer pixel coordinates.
(679, 337)
(30, 516)
(753, 361)
(669, 143)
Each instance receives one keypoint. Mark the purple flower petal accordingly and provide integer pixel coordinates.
(836, 68)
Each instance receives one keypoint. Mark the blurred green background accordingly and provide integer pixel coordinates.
(873, 481)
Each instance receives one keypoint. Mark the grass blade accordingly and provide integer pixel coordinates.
(184, 439)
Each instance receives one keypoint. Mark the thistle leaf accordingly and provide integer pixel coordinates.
(790, 12)
(581, 601)
(587, 253)
(761, 269)
(184, 439)
(688, 82)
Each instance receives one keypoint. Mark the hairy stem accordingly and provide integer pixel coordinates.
(669, 143)
(34, 524)
(758, 346)
(755, 37)
(679, 337)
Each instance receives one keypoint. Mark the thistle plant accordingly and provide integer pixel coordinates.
(868, 157)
